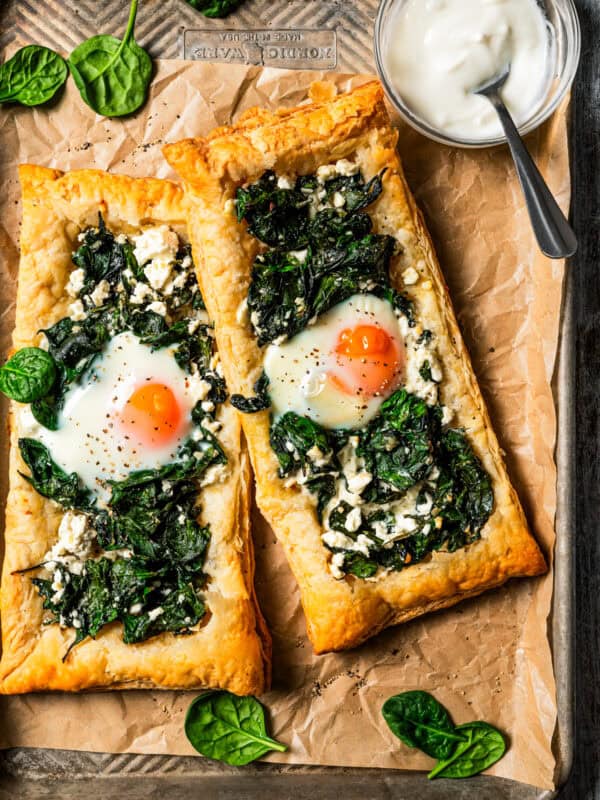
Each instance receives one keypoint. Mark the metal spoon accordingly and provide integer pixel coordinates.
(552, 231)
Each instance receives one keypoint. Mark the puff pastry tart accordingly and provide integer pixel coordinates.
(375, 460)
(128, 559)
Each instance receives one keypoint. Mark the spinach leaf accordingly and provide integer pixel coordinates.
(28, 375)
(483, 746)
(420, 721)
(260, 401)
(32, 76)
(50, 480)
(215, 8)
(229, 728)
(398, 445)
(102, 257)
(112, 75)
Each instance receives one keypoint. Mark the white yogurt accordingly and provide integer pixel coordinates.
(437, 50)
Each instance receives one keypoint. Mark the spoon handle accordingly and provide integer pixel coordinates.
(552, 230)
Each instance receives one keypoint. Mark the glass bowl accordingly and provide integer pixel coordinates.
(567, 42)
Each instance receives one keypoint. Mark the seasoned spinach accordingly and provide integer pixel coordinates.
(151, 513)
(319, 256)
(28, 375)
(32, 76)
(229, 728)
(50, 480)
(112, 74)
(419, 720)
(260, 401)
(404, 445)
(215, 8)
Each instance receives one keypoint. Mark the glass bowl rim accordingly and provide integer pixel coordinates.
(567, 77)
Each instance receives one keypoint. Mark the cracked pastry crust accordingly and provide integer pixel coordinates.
(231, 648)
(343, 613)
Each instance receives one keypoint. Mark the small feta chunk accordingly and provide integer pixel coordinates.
(76, 311)
(75, 283)
(157, 242)
(158, 272)
(140, 294)
(158, 307)
(353, 520)
(410, 276)
(100, 293)
(155, 613)
(326, 172)
(283, 182)
(346, 168)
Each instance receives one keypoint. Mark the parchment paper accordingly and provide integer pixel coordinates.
(488, 658)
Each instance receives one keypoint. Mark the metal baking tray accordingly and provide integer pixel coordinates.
(303, 34)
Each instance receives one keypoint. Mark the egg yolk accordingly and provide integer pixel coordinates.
(372, 357)
(152, 414)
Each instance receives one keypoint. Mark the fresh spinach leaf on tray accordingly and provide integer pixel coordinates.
(419, 720)
(484, 746)
(215, 8)
(112, 74)
(32, 76)
(229, 728)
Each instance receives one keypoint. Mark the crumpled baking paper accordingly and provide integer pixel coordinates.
(489, 658)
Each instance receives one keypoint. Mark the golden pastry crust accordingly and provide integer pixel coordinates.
(231, 649)
(355, 126)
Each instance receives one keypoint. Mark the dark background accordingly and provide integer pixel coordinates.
(584, 783)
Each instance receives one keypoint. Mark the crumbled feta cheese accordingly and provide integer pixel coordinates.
(299, 255)
(338, 540)
(74, 537)
(339, 201)
(193, 326)
(447, 415)
(326, 172)
(136, 609)
(155, 613)
(158, 272)
(157, 242)
(75, 283)
(207, 406)
(198, 387)
(410, 276)
(318, 457)
(121, 239)
(141, 293)
(100, 293)
(353, 520)
(337, 562)
(283, 182)
(215, 474)
(358, 481)
(158, 307)
(346, 168)
(76, 311)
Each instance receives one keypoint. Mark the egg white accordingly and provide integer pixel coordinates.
(89, 439)
(299, 369)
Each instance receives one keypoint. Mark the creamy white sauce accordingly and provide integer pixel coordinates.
(437, 51)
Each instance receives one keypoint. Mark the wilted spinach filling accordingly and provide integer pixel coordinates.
(320, 250)
(151, 513)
